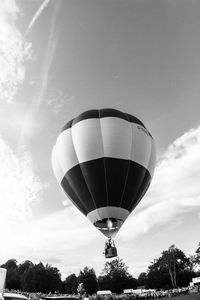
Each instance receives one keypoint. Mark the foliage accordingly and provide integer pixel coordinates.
(10, 264)
(12, 277)
(115, 277)
(89, 280)
(70, 284)
(142, 279)
(195, 259)
(32, 278)
(170, 270)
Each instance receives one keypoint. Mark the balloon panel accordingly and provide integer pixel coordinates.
(104, 161)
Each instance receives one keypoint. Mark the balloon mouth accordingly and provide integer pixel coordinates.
(110, 224)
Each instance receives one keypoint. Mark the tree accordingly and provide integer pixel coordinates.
(175, 261)
(115, 277)
(40, 278)
(198, 249)
(23, 267)
(53, 278)
(34, 280)
(89, 280)
(168, 260)
(196, 259)
(157, 276)
(70, 284)
(10, 264)
(22, 271)
(172, 269)
(13, 279)
(142, 279)
(12, 276)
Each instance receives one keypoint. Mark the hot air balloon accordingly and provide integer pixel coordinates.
(104, 161)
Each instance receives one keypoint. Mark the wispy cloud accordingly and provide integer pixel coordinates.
(57, 100)
(36, 15)
(48, 58)
(49, 54)
(14, 51)
(175, 188)
(20, 188)
(63, 239)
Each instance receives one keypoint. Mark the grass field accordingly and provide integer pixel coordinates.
(187, 297)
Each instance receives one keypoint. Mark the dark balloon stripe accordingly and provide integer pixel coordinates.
(116, 174)
(109, 112)
(94, 174)
(139, 185)
(74, 179)
(67, 125)
(88, 182)
(90, 114)
(140, 195)
(103, 113)
(73, 196)
(133, 119)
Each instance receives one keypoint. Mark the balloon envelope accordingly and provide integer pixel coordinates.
(104, 161)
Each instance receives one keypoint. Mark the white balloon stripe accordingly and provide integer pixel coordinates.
(87, 140)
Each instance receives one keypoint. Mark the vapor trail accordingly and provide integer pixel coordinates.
(49, 55)
(30, 121)
(36, 16)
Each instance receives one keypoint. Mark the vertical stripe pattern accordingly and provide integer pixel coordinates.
(104, 161)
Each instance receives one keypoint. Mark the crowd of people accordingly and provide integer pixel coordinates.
(143, 295)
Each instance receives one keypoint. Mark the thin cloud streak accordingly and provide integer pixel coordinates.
(36, 16)
(49, 55)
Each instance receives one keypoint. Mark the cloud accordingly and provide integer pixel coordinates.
(20, 188)
(46, 66)
(14, 51)
(58, 100)
(63, 239)
(37, 14)
(49, 54)
(175, 188)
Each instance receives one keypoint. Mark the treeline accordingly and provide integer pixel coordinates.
(172, 269)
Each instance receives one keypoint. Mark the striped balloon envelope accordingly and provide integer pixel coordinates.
(104, 161)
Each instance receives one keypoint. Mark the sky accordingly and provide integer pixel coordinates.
(59, 58)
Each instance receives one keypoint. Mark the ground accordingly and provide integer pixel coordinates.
(187, 297)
